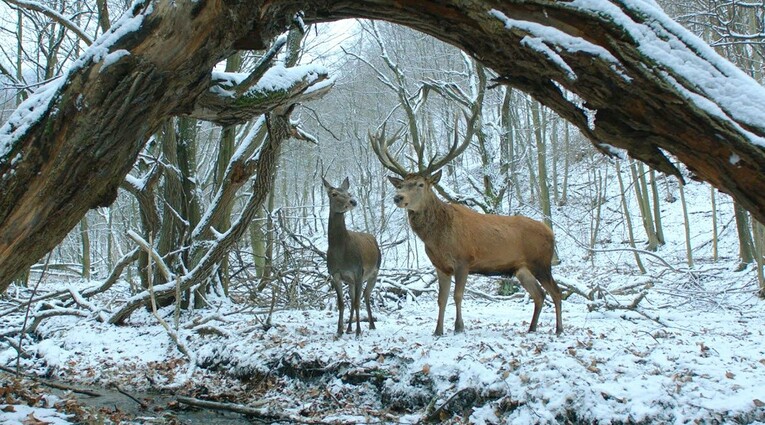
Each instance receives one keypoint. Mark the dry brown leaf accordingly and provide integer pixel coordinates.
(31, 420)
(426, 368)
(729, 375)
(759, 403)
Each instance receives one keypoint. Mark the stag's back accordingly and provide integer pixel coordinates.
(486, 243)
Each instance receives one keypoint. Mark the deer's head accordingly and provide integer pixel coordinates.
(413, 191)
(340, 201)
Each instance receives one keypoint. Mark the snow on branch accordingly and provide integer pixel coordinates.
(278, 86)
(541, 37)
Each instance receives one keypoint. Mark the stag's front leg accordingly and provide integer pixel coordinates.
(444, 282)
(337, 283)
(460, 279)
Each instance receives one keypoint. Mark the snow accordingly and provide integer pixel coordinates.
(276, 78)
(22, 415)
(692, 362)
(543, 35)
(112, 58)
(683, 60)
(718, 83)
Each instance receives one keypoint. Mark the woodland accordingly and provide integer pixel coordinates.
(163, 221)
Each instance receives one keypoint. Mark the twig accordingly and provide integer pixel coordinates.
(143, 405)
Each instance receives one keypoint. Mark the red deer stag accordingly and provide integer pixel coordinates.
(352, 257)
(460, 241)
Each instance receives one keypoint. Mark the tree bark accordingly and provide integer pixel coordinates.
(86, 136)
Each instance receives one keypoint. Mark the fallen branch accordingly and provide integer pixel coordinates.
(436, 414)
(258, 412)
(51, 384)
(87, 293)
(254, 410)
(130, 396)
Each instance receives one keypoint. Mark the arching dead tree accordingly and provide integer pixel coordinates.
(624, 73)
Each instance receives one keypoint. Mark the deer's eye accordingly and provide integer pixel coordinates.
(334, 195)
(421, 185)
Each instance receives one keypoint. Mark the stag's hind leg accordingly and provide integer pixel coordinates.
(552, 288)
(530, 284)
(460, 279)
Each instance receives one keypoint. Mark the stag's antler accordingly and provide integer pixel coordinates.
(380, 146)
(456, 148)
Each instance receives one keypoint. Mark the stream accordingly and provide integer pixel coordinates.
(157, 410)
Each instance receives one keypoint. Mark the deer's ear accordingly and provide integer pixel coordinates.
(396, 182)
(326, 184)
(346, 184)
(435, 177)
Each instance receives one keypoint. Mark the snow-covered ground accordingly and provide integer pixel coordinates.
(673, 345)
(677, 358)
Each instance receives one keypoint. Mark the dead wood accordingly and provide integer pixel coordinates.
(467, 394)
(263, 413)
(52, 384)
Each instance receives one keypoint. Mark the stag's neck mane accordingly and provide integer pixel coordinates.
(431, 220)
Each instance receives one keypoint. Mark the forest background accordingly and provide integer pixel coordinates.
(398, 94)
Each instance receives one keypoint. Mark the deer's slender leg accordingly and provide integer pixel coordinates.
(356, 300)
(552, 288)
(460, 279)
(529, 282)
(444, 283)
(351, 298)
(337, 283)
(367, 296)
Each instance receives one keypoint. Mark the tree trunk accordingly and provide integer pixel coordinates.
(85, 237)
(714, 224)
(745, 244)
(544, 188)
(656, 207)
(645, 209)
(628, 219)
(73, 152)
(687, 226)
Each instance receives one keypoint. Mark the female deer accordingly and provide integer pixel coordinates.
(352, 257)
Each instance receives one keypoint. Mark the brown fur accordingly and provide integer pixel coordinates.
(460, 241)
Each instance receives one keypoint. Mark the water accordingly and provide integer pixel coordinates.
(160, 408)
